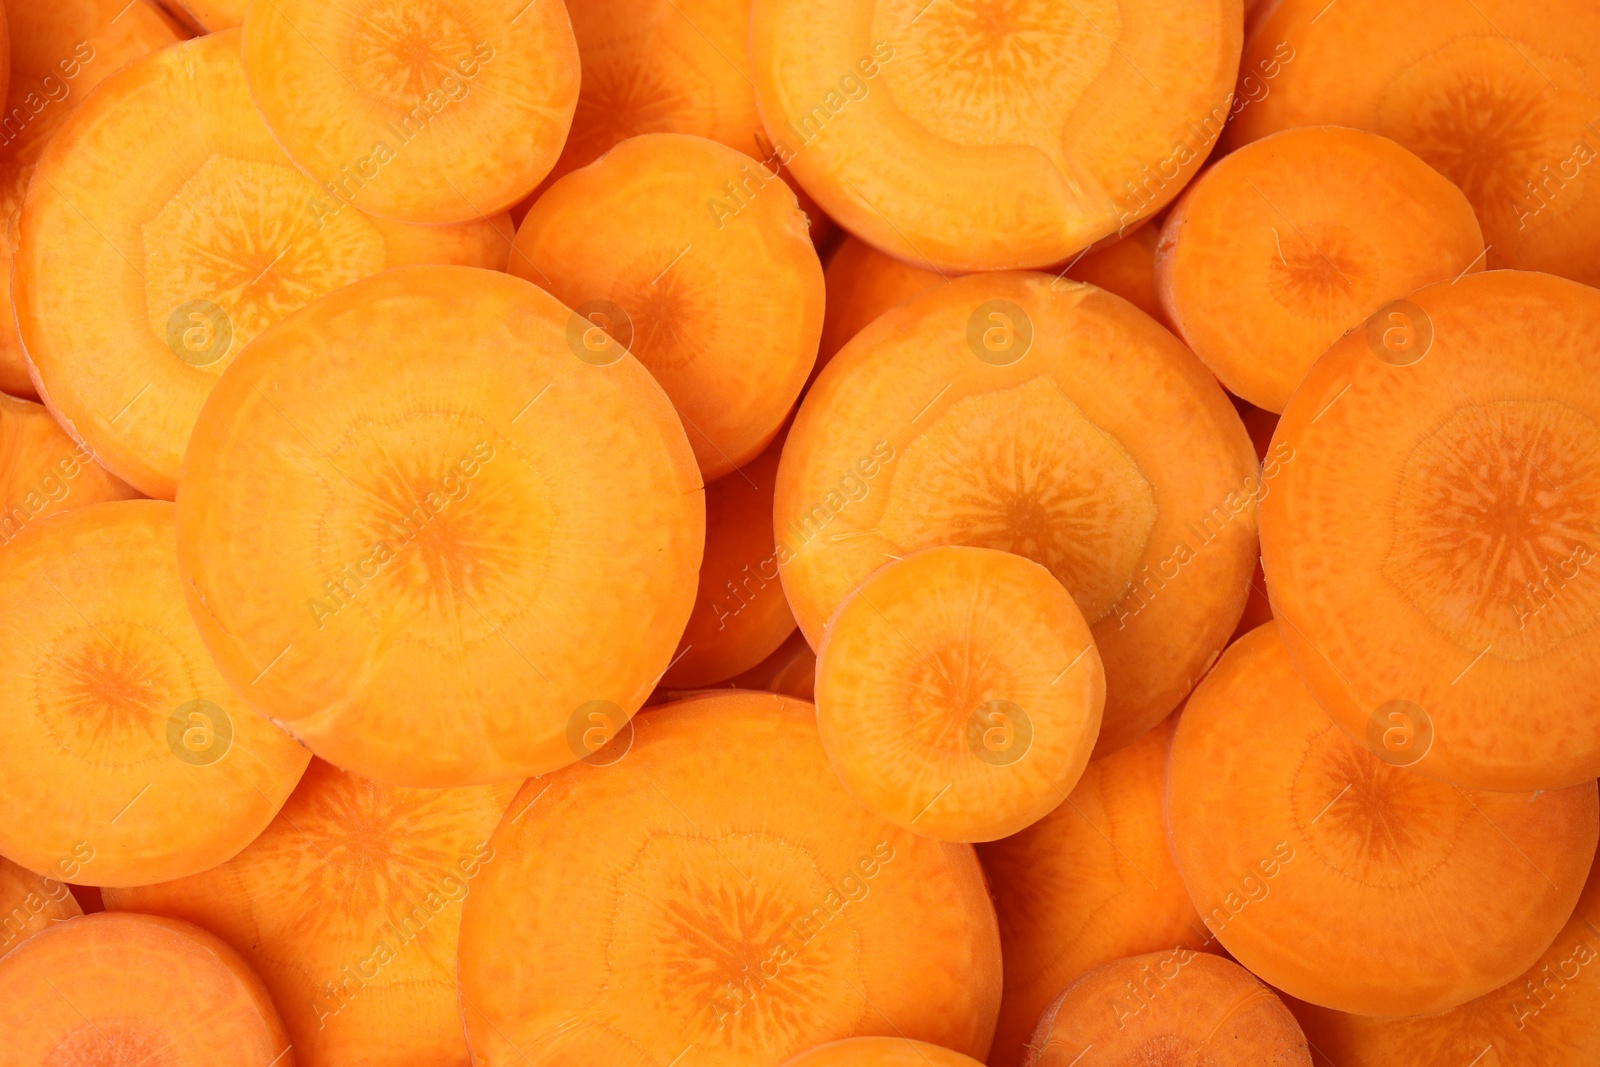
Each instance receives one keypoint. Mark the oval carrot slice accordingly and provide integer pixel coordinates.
(696, 259)
(1089, 883)
(30, 903)
(434, 112)
(1127, 267)
(1051, 126)
(989, 412)
(58, 53)
(706, 889)
(348, 906)
(1347, 881)
(1549, 1016)
(863, 283)
(167, 188)
(470, 541)
(1278, 250)
(881, 1052)
(1499, 96)
(1429, 546)
(123, 751)
(136, 989)
(791, 671)
(959, 693)
(740, 615)
(43, 471)
(1179, 1006)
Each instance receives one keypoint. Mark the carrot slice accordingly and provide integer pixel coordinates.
(863, 283)
(167, 189)
(1089, 883)
(1347, 881)
(1278, 250)
(43, 471)
(1127, 267)
(740, 616)
(1549, 1016)
(1052, 126)
(348, 906)
(135, 989)
(790, 671)
(707, 890)
(430, 566)
(1429, 545)
(30, 903)
(1499, 96)
(881, 1052)
(212, 15)
(125, 754)
(989, 412)
(959, 693)
(1179, 1006)
(438, 111)
(58, 53)
(696, 259)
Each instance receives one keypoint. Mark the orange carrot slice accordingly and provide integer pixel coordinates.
(434, 112)
(881, 1052)
(1126, 267)
(705, 889)
(1347, 881)
(43, 471)
(862, 284)
(30, 903)
(431, 566)
(212, 15)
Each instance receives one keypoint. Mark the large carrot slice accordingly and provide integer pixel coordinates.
(1500, 96)
(1051, 126)
(430, 565)
(436, 112)
(58, 53)
(708, 892)
(348, 906)
(1289, 242)
(959, 693)
(1347, 881)
(166, 188)
(696, 259)
(881, 1052)
(136, 989)
(1089, 883)
(1177, 1007)
(43, 471)
(1430, 547)
(30, 903)
(124, 753)
(991, 412)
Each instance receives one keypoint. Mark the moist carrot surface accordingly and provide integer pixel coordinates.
(30, 903)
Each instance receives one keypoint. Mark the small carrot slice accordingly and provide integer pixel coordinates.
(863, 283)
(30, 903)
(136, 989)
(435, 111)
(43, 471)
(959, 693)
(212, 15)
(881, 1052)
(790, 671)
(1127, 267)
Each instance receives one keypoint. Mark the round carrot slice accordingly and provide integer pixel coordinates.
(1089, 883)
(43, 471)
(1430, 547)
(1051, 126)
(167, 189)
(30, 903)
(740, 615)
(1549, 1016)
(126, 989)
(1127, 267)
(863, 283)
(990, 412)
(431, 566)
(1179, 1006)
(211, 15)
(705, 889)
(881, 1052)
(1499, 96)
(959, 693)
(348, 906)
(433, 111)
(1347, 881)
(695, 257)
(123, 751)
(1278, 250)
(58, 53)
